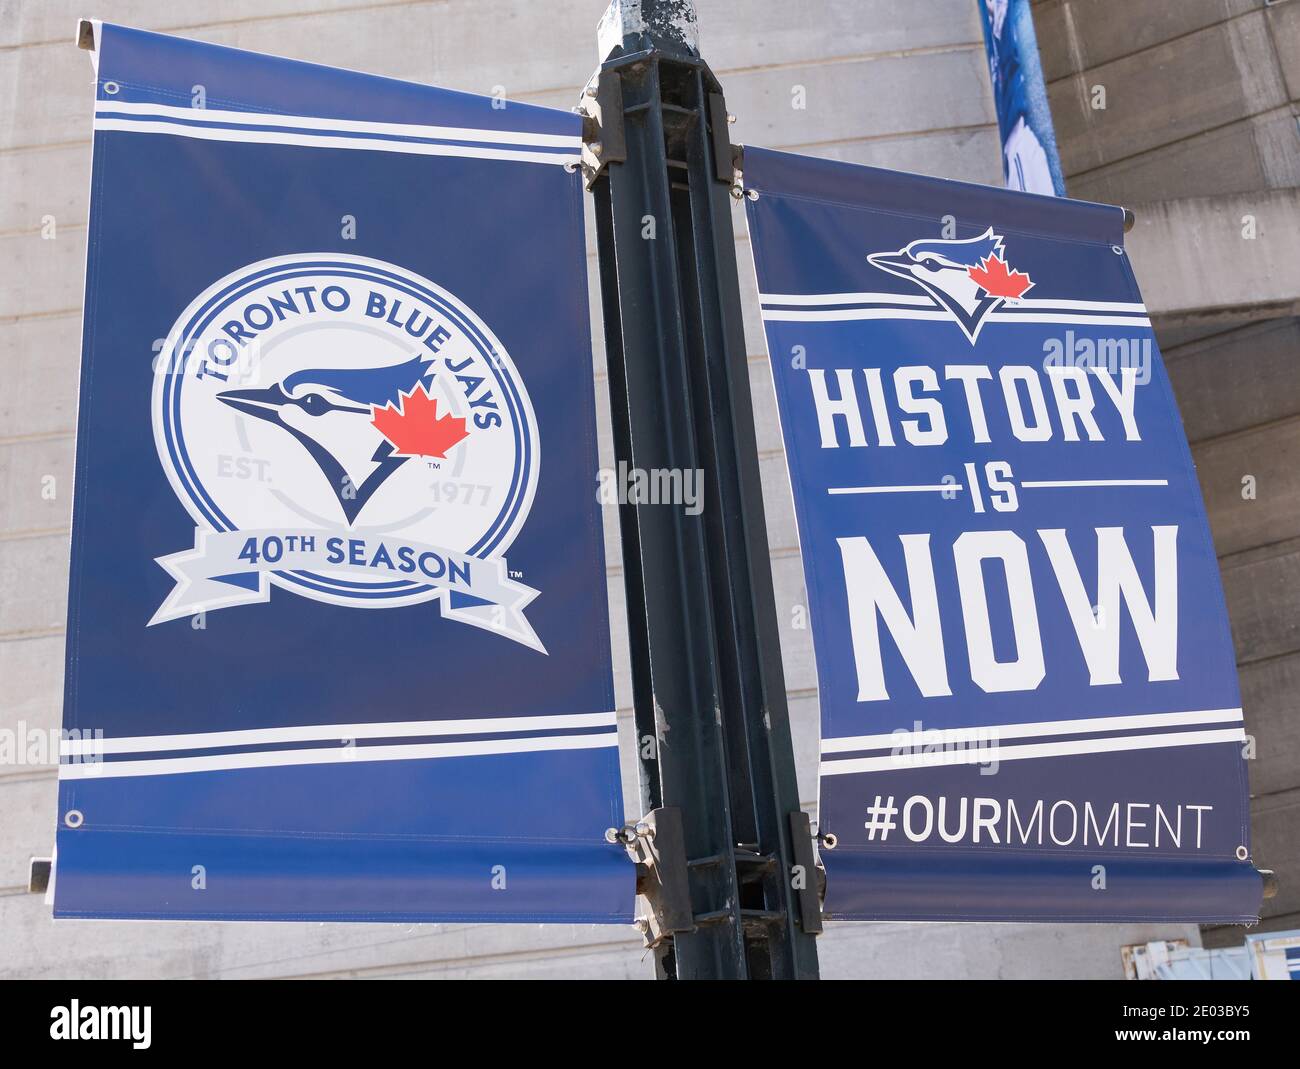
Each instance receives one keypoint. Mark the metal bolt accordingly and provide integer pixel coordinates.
(643, 830)
(613, 835)
(590, 90)
(596, 148)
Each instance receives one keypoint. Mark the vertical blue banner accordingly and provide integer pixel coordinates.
(1029, 158)
(338, 644)
(1029, 702)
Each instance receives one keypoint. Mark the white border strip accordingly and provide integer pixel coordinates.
(1137, 308)
(1028, 303)
(1057, 484)
(845, 315)
(835, 490)
(1037, 728)
(331, 755)
(1004, 316)
(988, 754)
(916, 300)
(207, 740)
(307, 139)
(254, 119)
(928, 311)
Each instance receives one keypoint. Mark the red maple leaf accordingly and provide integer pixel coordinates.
(994, 278)
(414, 427)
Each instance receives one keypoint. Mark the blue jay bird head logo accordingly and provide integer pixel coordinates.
(330, 413)
(968, 277)
(345, 429)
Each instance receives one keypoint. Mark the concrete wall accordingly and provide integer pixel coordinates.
(1199, 135)
(886, 82)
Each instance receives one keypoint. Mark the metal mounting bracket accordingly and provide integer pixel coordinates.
(603, 139)
(658, 846)
(807, 889)
(720, 136)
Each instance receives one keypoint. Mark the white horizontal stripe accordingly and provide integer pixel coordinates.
(310, 122)
(1081, 306)
(851, 314)
(1051, 317)
(891, 489)
(1040, 727)
(987, 754)
(331, 755)
(921, 301)
(1050, 484)
(846, 314)
(272, 137)
(206, 740)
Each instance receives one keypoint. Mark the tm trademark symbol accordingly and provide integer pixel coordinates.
(515, 573)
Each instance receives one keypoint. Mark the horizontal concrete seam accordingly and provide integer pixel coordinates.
(859, 57)
(32, 773)
(1246, 432)
(41, 146)
(1208, 343)
(1282, 109)
(1276, 801)
(50, 313)
(1158, 44)
(36, 436)
(504, 957)
(1264, 661)
(32, 633)
(1229, 560)
(934, 131)
(306, 13)
(810, 63)
(27, 533)
(34, 231)
(416, 970)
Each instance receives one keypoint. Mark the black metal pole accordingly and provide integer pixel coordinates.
(708, 687)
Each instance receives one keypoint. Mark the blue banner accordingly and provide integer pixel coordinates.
(1029, 158)
(338, 643)
(1029, 702)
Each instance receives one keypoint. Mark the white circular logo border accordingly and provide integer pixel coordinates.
(173, 361)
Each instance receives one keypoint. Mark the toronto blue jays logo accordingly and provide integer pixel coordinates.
(348, 431)
(969, 278)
